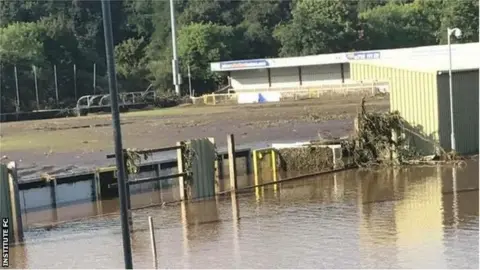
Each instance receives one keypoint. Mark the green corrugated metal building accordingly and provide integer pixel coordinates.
(419, 90)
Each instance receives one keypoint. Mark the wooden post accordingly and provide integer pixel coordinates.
(94, 78)
(1, 68)
(16, 87)
(53, 197)
(97, 193)
(56, 82)
(160, 183)
(232, 166)
(152, 240)
(75, 81)
(36, 86)
(180, 168)
(15, 202)
(98, 187)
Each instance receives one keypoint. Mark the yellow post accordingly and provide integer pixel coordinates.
(180, 168)
(274, 168)
(214, 100)
(255, 172)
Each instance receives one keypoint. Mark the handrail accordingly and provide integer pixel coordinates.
(98, 100)
(151, 179)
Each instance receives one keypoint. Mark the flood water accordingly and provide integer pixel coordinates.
(417, 217)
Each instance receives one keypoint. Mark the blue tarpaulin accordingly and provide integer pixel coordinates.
(261, 99)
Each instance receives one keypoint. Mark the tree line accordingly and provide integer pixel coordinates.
(48, 33)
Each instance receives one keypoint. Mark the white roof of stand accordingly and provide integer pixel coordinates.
(464, 57)
(429, 56)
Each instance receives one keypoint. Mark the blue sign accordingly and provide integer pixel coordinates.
(362, 55)
(258, 63)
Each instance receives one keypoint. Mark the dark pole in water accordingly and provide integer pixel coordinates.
(112, 85)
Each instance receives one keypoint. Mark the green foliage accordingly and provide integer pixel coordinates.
(462, 14)
(200, 44)
(397, 25)
(318, 27)
(62, 33)
(22, 42)
(131, 63)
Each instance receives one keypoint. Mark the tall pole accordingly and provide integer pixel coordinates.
(36, 86)
(174, 47)
(189, 81)
(1, 68)
(75, 80)
(94, 77)
(16, 87)
(450, 84)
(117, 133)
(56, 81)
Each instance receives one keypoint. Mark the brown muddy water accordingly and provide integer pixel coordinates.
(417, 217)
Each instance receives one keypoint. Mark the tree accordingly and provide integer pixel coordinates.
(462, 14)
(22, 43)
(131, 63)
(318, 27)
(397, 25)
(259, 21)
(222, 12)
(62, 33)
(200, 44)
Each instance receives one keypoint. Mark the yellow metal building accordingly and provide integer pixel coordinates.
(419, 90)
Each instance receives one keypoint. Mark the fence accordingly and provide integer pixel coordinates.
(367, 88)
(197, 172)
(30, 87)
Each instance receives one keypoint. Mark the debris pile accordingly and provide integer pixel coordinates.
(306, 159)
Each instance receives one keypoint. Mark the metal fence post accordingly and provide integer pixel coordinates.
(152, 240)
(232, 165)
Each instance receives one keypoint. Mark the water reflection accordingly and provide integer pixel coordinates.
(416, 217)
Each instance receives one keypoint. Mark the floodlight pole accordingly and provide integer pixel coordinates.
(176, 75)
(117, 133)
(450, 84)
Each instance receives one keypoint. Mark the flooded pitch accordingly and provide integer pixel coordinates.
(417, 217)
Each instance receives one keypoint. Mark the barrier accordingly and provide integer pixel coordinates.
(267, 161)
(249, 96)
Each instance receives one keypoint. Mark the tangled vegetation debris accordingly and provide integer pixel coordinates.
(378, 141)
(306, 159)
(189, 155)
(133, 158)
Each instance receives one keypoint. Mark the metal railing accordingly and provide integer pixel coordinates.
(372, 87)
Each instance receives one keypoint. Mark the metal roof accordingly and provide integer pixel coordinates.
(464, 57)
(417, 57)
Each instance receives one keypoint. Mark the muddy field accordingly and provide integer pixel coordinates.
(58, 145)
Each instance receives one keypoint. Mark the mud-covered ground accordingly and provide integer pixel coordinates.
(58, 145)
